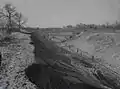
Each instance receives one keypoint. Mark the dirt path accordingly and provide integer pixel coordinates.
(16, 57)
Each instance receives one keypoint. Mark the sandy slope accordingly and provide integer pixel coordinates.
(106, 52)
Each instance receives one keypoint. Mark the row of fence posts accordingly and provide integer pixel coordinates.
(79, 51)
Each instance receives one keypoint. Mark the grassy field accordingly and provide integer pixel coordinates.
(16, 57)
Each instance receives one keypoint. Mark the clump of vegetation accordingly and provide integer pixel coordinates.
(107, 25)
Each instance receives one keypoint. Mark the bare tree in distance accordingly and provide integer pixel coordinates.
(13, 18)
(20, 20)
(69, 26)
(8, 12)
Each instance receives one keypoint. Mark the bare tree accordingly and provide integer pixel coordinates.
(13, 18)
(69, 26)
(8, 12)
(20, 20)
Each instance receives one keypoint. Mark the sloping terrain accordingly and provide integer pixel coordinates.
(82, 66)
(101, 45)
(16, 57)
(77, 66)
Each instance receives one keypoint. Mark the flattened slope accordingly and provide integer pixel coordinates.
(107, 47)
(86, 69)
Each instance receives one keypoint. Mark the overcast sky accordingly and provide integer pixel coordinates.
(56, 13)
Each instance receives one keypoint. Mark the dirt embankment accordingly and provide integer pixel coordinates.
(16, 57)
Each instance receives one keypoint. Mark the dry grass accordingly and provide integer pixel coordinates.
(16, 57)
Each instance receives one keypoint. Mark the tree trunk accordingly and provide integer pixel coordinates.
(9, 24)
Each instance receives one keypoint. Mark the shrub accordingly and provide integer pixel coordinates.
(5, 37)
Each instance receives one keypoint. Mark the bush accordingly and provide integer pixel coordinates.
(5, 37)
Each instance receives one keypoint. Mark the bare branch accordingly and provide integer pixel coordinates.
(12, 17)
(10, 8)
(20, 19)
